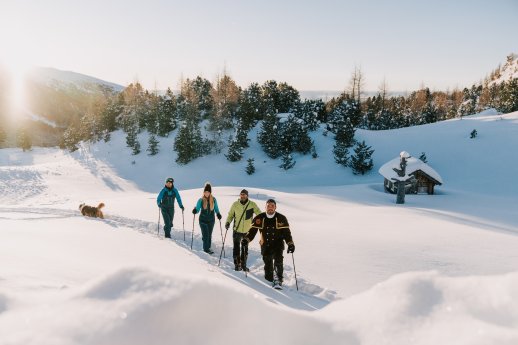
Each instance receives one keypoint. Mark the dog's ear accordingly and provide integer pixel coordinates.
(81, 205)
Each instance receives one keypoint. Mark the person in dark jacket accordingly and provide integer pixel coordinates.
(274, 231)
(207, 205)
(165, 202)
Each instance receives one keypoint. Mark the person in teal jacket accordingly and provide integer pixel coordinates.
(165, 202)
(207, 205)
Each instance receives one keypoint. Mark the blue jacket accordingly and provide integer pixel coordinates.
(206, 215)
(166, 198)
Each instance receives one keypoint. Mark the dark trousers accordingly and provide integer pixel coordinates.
(273, 262)
(206, 233)
(240, 253)
(168, 215)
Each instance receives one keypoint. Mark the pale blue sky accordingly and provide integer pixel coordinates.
(312, 45)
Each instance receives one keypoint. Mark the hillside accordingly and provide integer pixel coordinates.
(439, 269)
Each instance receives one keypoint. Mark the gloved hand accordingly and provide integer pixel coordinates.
(219, 216)
(244, 242)
(291, 248)
(194, 210)
(227, 225)
(183, 208)
(160, 206)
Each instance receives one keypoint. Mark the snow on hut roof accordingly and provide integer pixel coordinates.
(413, 165)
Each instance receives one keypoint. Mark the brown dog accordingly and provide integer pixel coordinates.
(91, 211)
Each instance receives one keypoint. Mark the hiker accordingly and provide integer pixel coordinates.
(241, 213)
(165, 202)
(207, 205)
(274, 230)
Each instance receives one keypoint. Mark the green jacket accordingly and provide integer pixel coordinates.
(236, 211)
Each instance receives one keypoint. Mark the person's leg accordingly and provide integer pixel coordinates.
(279, 265)
(204, 227)
(268, 267)
(236, 237)
(167, 222)
(244, 256)
(210, 228)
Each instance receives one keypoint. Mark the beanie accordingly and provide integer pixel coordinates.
(207, 188)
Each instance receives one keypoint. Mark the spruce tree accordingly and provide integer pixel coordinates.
(250, 168)
(341, 153)
(24, 140)
(361, 161)
(250, 106)
(268, 136)
(152, 145)
(188, 142)
(287, 161)
(235, 151)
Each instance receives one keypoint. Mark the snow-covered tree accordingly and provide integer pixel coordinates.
(268, 136)
(361, 161)
(235, 150)
(250, 168)
(188, 142)
(152, 145)
(423, 158)
(287, 161)
(24, 140)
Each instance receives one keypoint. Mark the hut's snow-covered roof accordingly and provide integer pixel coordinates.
(413, 165)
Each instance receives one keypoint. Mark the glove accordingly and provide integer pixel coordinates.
(244, 242)
(291, 248)
(219, 216)
(183, 208)
(227, 225)
(194, 210)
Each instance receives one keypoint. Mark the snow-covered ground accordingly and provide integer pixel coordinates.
(440, 269)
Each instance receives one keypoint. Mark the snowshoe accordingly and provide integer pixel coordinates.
(277, 285)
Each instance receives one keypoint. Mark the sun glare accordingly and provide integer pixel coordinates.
(16, 72)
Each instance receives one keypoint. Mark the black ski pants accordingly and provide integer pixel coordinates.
(168, 216)
(240, 253)
(273, 262)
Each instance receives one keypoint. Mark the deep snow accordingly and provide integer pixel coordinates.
(439, 269)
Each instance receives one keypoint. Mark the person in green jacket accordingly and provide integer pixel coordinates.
(241, 213)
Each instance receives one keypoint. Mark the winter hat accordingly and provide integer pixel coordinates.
(169, 179)
(208, 188)
(244, 191)
(271, 201)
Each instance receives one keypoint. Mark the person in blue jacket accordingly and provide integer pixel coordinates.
(165, 202)
(207, 205)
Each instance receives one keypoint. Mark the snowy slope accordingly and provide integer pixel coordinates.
(508, 71)
(63, 79)
(439, 269)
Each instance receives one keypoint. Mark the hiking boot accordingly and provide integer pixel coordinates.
(238, 268)
(246, 269)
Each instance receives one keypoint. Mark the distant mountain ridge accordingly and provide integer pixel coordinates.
(54, 77)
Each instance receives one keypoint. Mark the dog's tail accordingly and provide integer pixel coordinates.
(101, 205)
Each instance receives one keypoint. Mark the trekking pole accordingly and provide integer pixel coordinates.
(158, 225)
(183, 225)
(221, 232)
(192, 238)
(294, 270)
(222, 247)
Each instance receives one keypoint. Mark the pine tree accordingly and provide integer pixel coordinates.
(250, 107)
(167, 114)
(268, 136)
(250, 168)
(361, 161)
(423, 158)
(314, 151)
(287, 161)
(235, 151)
(341, 153)
(70, 139)
(24, 140)
(152, 145)
(188, 142)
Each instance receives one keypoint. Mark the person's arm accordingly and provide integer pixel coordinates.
(178, 198)
(231, 214)
(253, 229)
(160, 196)
(216, 208)
(197, 208)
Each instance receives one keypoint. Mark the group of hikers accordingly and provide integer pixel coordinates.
(273, 227)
